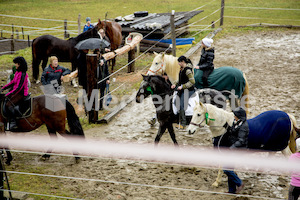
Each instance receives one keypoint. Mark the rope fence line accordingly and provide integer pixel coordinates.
(21, 17)
(206, 28)
(37, 194)
(130, 184)
(262, 8)
(259, 18)
(146, 152)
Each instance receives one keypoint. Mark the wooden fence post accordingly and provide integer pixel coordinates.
(65, 28)
(28, 40)
(23, 33)
(12, 30)
(12, 44)
(213, 24)
(17, 33)
(172, 21)
(1, 33)
(91, 64)
(79, 25)
(222, 12)
(131, 57)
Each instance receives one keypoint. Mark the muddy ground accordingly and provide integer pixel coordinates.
(270, 61)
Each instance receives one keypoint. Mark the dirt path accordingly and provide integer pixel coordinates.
(271, 63)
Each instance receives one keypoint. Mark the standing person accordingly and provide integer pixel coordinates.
(238, 139)
(185, 87)
(103, 76)
(104, 37)
(88, 24)
(52, 75)
(206, 60)
(294, 190)
(19, 86)
(82, 68)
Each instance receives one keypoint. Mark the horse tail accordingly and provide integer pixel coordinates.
(73, 120)
(246, 94)
(295, 133)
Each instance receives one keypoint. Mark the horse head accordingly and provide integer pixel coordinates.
(198, 119)
(153, 85)
(158, 65)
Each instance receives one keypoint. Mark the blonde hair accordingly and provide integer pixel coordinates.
(52, 58)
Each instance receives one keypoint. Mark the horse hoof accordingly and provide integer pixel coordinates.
(7, 162)
(45, 157)
(38, 81)
(215, 184)
(77, 160)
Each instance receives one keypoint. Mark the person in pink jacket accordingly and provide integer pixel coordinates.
(294, 190)
(19, 90)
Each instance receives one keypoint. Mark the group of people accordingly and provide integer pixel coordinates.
(52, 75)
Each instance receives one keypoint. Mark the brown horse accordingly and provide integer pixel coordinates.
(47, 45)
(113, 30)
(55, 120)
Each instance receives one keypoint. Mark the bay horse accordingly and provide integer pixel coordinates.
(54, 120)
(162, 95)
(113, 30)
(221, 79)
(270, 131)
(47, 45)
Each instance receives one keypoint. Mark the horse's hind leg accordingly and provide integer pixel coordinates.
(218, 179)
(66, 134)
(172, 134)
(36, 68)
(53, 136)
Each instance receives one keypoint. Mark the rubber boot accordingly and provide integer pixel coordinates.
(12, 120)
(182, 120)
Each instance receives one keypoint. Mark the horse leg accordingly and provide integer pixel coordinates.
(53, 136)
(294, 133)
(161, 131)
(9, 157)
(172, 134)
(113, 64)
(218, 179)
(74, 67)
(245, 95)
(36, 68)
(66, 134)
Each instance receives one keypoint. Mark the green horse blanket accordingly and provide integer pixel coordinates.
(223, 78)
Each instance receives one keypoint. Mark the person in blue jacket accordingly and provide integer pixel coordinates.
(88, 24)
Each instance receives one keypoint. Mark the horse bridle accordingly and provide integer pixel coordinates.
(226, 125)
(161, 67)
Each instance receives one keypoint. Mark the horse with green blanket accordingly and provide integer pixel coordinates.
(221, 79)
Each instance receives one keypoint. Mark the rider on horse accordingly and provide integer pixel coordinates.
(206, 60)
(19, 86)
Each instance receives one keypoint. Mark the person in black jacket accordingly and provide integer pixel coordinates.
(103, 78)
(206, 60)
(52, 75)
(239, 139)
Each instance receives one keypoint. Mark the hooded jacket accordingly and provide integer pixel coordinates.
(239, 130)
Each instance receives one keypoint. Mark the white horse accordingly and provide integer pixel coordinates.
(271, 130)
(168, 64)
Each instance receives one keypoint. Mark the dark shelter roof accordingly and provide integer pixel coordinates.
(148, 23)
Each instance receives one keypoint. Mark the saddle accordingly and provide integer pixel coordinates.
(22, 110)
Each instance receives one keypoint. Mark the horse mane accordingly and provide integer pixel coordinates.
(172, 67)
(165, 83)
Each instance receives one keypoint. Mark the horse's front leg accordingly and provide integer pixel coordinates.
(161, 130)
(9, 157)
(218, 179)
(172, 134)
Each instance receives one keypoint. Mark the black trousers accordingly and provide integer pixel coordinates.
(205, 75)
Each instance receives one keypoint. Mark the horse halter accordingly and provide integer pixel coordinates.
(206, 120)
(161, 68)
